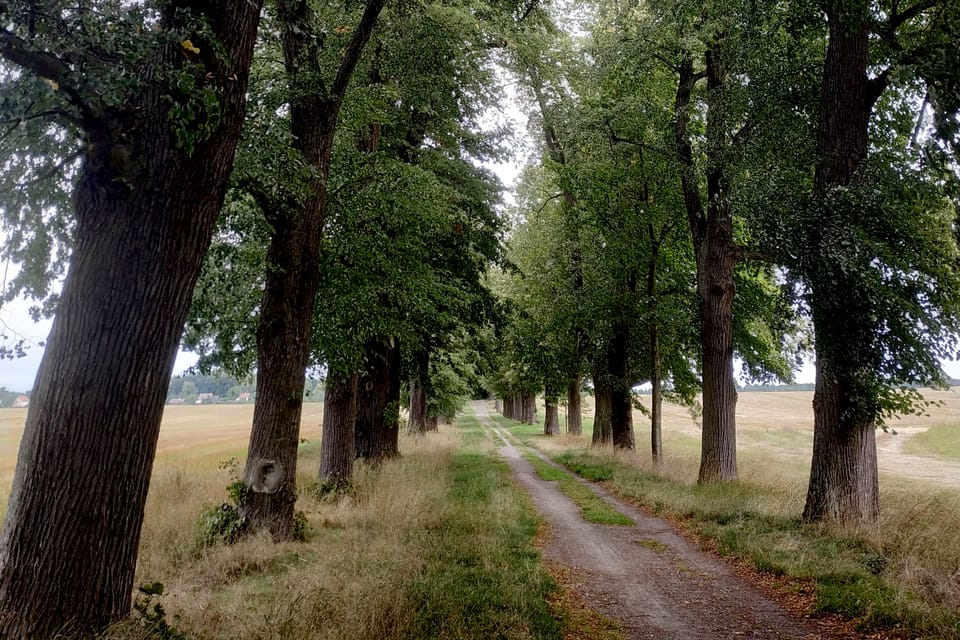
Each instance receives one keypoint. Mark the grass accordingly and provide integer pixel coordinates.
(439, 543)
(897, 574)
(592, 507)
(939, 440)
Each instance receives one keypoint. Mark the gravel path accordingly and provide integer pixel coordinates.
(652, 580)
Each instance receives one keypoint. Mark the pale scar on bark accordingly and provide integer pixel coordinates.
(266, 476)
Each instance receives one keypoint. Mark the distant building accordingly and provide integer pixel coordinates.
(21, 402)
(206, 398)
(175, 401)
(244, 397)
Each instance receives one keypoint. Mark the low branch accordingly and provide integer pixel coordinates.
(876, 86)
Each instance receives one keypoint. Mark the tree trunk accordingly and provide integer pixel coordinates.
(293, 269)
(378, 404)
(529, 408)
(718, 457)
(717, 255)
(498, 405)
(843, 475)
(339, 420)
(656, 392)
(551, 421)
(574, 410)
(603, 396)
(621, 393)
(145, 214)
(418, 408)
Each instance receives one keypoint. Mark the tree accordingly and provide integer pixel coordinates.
(878, 254)
(293, 262)
(154, 97)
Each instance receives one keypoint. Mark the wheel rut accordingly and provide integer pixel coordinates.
(657, 584)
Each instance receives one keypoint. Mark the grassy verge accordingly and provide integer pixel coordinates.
(892, 576)
(593, 508)
(940, 440)
(482, 576)
(436, 544)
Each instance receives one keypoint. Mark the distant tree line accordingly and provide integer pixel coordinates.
(225, 389)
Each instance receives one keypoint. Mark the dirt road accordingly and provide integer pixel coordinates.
(657, 584)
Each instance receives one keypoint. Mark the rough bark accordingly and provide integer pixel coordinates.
(621, 395)
(339, 420)
(716, 255)
(551, 420)
(574, 408)
(843, 476)
(293, 272)
(603, 396)
(145, 213)
(418, 408)
(529, 408)
(378, 403)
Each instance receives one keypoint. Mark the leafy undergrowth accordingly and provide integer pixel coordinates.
(901, 575)
(592, 507)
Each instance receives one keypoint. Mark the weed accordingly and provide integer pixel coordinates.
(653, 545)
(152, 614)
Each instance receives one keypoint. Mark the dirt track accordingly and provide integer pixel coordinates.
(653, 581)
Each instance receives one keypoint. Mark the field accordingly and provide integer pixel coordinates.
(371, 567)
(191, 436)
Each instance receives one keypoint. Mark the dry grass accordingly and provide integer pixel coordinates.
(331, 587)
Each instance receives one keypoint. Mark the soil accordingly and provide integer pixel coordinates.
(648, 577)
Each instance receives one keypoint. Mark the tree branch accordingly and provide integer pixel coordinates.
(530, 7)
(876, 87)
(44, 65)
(357, 42)
(898, 19)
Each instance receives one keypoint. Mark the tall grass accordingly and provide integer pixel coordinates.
(435, 544)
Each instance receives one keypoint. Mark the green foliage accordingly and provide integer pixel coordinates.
(152, 614)
(76, 81)
(222, 524)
